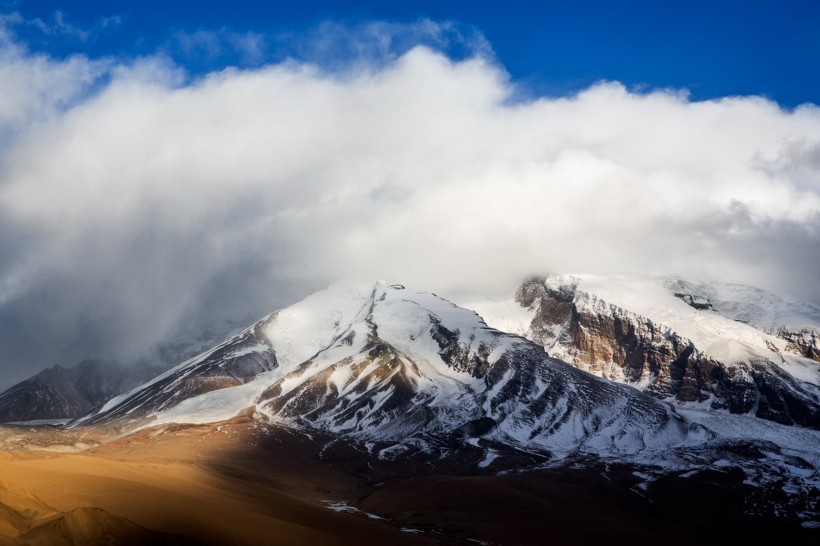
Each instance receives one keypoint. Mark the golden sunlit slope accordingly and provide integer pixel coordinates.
(248, 482)
(150, 488)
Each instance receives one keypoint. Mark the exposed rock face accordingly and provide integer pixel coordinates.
(615, 343)
(64, 393)
(803, 341)
(475, 363)
(697, 302)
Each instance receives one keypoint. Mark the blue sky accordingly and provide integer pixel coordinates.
(713, 49)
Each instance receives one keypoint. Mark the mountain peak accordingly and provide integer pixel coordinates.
(389, 363)
(392, 373)
(682, 341)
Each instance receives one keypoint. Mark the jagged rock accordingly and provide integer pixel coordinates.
(615, 343)
(802, 341)
(698, 302)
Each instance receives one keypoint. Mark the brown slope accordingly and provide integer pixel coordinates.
(95, 527)
(247, 482)
(188, 481)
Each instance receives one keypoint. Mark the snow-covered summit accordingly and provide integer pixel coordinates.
(716, 331)
(676, 339)
(758, 308)
(388, 363)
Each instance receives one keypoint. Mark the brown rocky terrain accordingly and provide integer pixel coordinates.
(803, 341)
(251, 483)
(179, 485)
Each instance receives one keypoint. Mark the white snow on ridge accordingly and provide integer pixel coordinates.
(712, 333)
(718, 333)
(326, 357)
(300, 331)
(405, 319)
(764, 310)
(117, 400)
(804, 441)
(218, 405)
(258, 348)
(803, 369)
(505, 315)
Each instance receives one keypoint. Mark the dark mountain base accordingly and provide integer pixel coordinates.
(578, 507)
(582, 503)
(244, 481)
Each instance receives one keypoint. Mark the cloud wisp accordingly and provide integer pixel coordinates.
(330, 46)
(137, 206)
(60, 26)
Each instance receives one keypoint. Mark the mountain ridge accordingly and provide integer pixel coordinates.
(685, 354)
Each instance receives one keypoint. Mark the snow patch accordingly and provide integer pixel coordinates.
(218, 405)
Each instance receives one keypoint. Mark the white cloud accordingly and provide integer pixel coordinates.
(153, 206)
(34, 87)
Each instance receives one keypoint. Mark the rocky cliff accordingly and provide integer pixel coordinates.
(608, 340)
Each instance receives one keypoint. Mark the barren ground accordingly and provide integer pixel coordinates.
(245, 483)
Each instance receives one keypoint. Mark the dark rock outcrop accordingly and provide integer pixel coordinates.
(618, 344)
(802, 341)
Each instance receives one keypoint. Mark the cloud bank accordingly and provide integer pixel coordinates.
(137, 205)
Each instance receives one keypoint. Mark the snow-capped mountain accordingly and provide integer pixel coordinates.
(393, 374)
(786, 318)
(388, 364)
(412, 364)
(716, 345)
